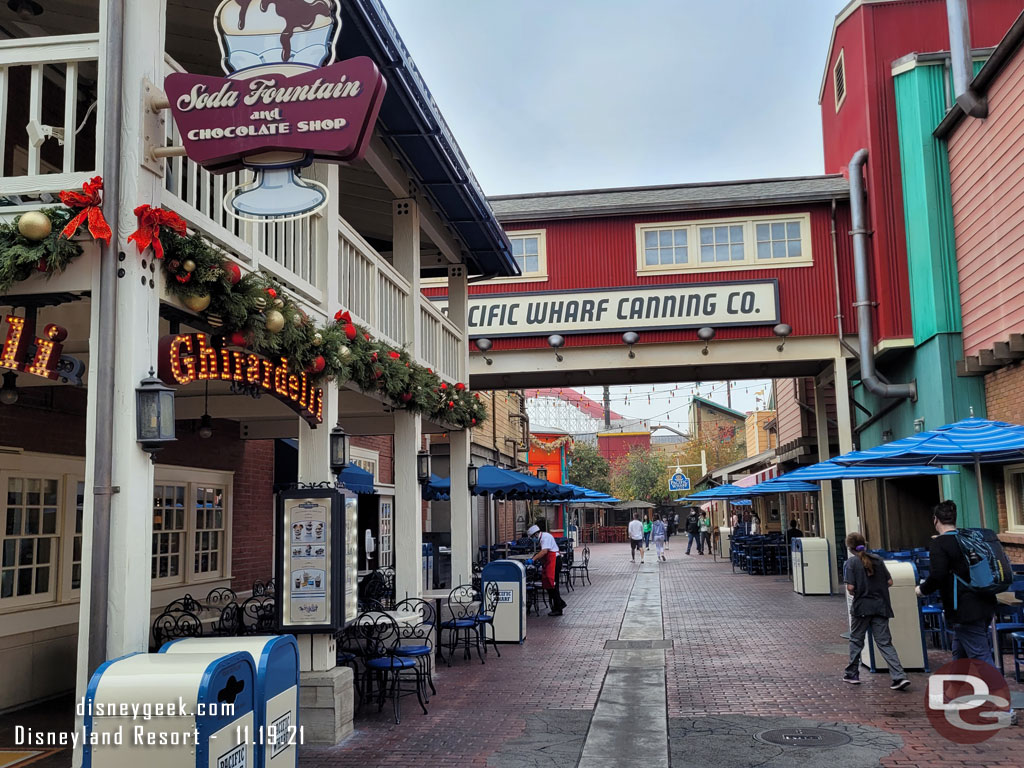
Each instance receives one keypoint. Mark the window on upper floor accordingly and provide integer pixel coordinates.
(529, 251)
(839, 80)
(1013, 477)
(710, 246)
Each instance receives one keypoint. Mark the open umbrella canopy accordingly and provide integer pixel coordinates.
(829, 470)
(727, 492)
(501, 483)
(965, 442)
(782, 485)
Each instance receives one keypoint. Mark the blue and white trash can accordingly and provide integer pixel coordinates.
(160, 710)
(276, 658)
(510, 612)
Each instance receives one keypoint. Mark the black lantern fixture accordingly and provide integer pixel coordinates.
(473, 474)
(423, 467)
(484, 345)
(154, 413)
(9, 391)
(339, 450)
(542, 473)
(705, 334)
(556, 342)
(629, 338)
(206, 423)
(782, 330)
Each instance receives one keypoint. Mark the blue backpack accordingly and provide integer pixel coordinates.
(989, 569)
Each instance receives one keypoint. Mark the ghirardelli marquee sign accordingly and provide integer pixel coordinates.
(284, 103)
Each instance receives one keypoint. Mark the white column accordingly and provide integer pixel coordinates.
(461, 500)
(408, 506)
(844, 418)
(826, 513)
(408, 515)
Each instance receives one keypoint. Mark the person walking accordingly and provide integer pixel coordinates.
(868, 581)
(668, 528)
(704, 528)
(692, 529)
(647, 531)
(658, 534)
(755, 524)
(635, 530)
(550, 562)
(967, 613)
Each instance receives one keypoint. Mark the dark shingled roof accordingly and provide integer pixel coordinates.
(678, 197)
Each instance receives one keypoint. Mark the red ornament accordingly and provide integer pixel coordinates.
(460, 386)
(476, 395)
(271, 293)
(317, 365)
(377, 372)
(42, 266)
(443, 385)
(430, 370)
(407, 365)
(366, 336)
(451, 403)
(350, 331)
(183, 278)
(238, 339)
(394, 355)
(232, 271)
(406, 397)
(474, 421)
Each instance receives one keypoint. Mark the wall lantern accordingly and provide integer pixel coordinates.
(474, 475)
(339, 450)
(154, 413)
(556, 342)
(542, 473)
(484, 345)
(423, 467)
(9, 391)
(782, 330)
(919, 425)
(705, 334)
(629, 338)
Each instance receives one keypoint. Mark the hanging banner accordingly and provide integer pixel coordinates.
(636, 308)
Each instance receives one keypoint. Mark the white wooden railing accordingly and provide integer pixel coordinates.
(294, 252)
(54, 65)
(370, 288)
(441, 343)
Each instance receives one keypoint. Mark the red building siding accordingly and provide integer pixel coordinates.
(614, 447)
(871, 39)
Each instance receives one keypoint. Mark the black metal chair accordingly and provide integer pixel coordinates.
(171, 625)
(230, 622)
(379, 587)
(220, 597)
(535, 592)
(581, 567)
(186, 603)
(485, 618)
(464, 607)
(417, 640)
(565, 571)
(378, 636)
(258, 615)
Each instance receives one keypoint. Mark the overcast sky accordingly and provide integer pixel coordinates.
(575, 94)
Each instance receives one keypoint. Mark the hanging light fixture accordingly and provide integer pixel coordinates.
(9, 391)
(26, 9)
(556, 342)
(782, 330)
(629, 338)
(474, 475)
(542, 473)
(154, 413)
(206, 423)
(339, 450)
(705, 334)
(423, 467)
(484, 345)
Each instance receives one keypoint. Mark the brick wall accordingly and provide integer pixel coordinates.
(252, 528)
(384, 445)
(1004, 400)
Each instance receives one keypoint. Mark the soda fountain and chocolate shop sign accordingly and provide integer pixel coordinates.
(284, 103)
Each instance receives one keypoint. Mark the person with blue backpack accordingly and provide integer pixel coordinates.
(968, 568)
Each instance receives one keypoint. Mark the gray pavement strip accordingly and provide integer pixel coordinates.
(727, 741)
(553, 738)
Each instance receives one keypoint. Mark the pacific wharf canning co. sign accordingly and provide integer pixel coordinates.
(636, 308)
(283, 104)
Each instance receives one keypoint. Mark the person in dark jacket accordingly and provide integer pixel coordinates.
(967, 613)
(868, 581)
(692, 529)
(793, 533)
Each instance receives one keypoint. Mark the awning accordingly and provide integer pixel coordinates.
(502, 484)
(758, 477)
(357, 479)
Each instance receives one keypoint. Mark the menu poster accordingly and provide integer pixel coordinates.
(311, 563)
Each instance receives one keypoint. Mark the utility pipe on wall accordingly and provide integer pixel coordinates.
(863, 304)
(961, 62)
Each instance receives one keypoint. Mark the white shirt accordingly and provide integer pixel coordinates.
(636, 529)
(547, 541)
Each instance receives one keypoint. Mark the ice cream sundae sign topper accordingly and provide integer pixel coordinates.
(284, 103)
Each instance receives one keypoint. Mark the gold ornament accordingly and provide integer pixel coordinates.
(259, 302)
(278, 304)
(275, 321)
(197, 303)
(215, 320)
(318, 339)
(34, 225)
(189, 265)
(296, 319)
(344, 351)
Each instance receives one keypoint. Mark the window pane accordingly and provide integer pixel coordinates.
(521, 263)
(32, 521)
(794, 248)
(666, 255)
(736, 234)
(517, 246)
(762, 232)
(721, 234)
(779, 249)
(764, 250)
(50, 493)
(737, 252)
(793, 230)
(8, 557)
(13, 522)
(681, 255)
(665, 237)
(25, 551)
(25, 581)
(680, 236)
(707, 235)
(532, 264)
(530, 244)
(650, 239)
(1016, 507)
(707, 253)
(49, 520)
(7, 584)
(721, 253)
(651, 257)
(778, 230)
(42, 550)
(76, 576)
(42, 580)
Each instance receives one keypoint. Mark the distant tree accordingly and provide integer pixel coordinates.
(587, 467)
(642, 474)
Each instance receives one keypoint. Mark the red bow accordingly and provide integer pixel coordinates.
(150, 221)
(88, 202)
(340, 316)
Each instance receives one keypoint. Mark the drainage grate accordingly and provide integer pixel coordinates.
(803, 737)
(625, 645)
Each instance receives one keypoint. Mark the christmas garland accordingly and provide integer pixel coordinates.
(253, 311)
(33, 243)
(551, 445)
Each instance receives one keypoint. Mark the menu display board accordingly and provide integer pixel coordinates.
(312, 568)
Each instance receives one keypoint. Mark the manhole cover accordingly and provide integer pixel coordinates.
(625, 645)
(803, 737)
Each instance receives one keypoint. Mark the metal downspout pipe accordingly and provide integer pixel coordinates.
(863, 304)
(961, 63)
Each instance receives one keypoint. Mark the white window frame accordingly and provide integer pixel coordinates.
(840, 65)
(367, 459)
(1014, 506)
(750, 260)
(37, 472)
(386, 532)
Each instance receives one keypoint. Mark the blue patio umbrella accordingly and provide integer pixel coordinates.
(726, 492)
(780, 485)
(971, 441)
(829, 470)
